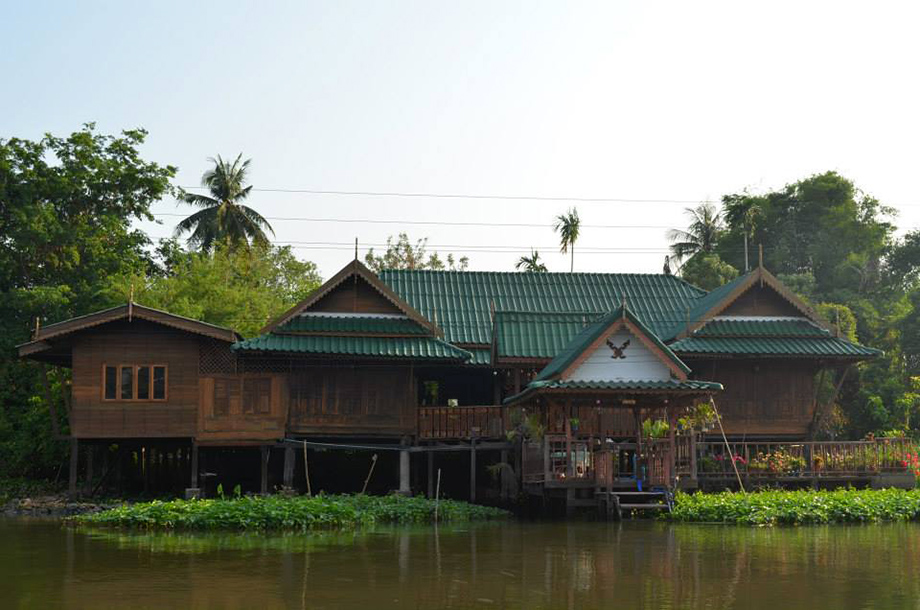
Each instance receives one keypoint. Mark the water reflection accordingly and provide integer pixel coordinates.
(555, 565)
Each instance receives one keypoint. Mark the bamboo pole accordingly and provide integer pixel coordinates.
(437, 497)
(731, 455)
(370, 472)
(306, 468)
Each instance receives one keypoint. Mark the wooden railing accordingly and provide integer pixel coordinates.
(461, 422)
(758, 460)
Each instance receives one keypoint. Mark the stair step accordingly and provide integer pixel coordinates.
(645, 506)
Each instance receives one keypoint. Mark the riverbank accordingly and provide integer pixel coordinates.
(288, 513)
(800, 507)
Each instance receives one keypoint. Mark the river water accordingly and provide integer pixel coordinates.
(496, 565)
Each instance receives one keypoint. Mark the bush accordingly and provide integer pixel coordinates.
(288, 513)
(798, 507)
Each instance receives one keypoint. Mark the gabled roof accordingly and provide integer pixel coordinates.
(769, 336)
(719, 299)
(355, 269)
(536, 335)
(587, 340)
(128, 311)
(462, 302)
(342, 323)
(410, 348)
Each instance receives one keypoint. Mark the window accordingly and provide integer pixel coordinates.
(247, 396)
(127, 383)
(110, 382)
(257, 393)
(130, 382)
(226, 396)
(143, 382)
(159, 383)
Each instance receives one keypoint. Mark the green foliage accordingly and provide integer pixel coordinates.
(702, 235)
(707, 271)
(241, 288)
(699, 418)
(655, 428)
(568, 226)
(66, 211)
(223, 218)
(798, 507)
(402, 254)
(531, 263)
(288, 513)
(841, 317)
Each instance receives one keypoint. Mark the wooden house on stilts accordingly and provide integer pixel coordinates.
(573, 385)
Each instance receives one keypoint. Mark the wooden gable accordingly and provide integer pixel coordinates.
(354, 289)
(761, 301)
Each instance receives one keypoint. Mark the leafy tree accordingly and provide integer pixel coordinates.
(531, 263)
(707, 271)
(701, 235)
(568, 226)
(743, 212)
(223, 217)
(241, 288)
(66, 210)
(403, 254)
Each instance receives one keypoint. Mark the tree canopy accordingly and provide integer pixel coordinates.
(403, 254)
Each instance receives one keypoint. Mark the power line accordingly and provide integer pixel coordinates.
(465, 196)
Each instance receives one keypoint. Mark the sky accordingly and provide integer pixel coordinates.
(677, 102)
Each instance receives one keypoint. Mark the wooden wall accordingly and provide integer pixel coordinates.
(762, 397)
(761, 301)
(242, 408)
(136, 343)
(356, 400)
(355, 295)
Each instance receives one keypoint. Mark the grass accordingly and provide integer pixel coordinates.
(800, 507)
(287, 513)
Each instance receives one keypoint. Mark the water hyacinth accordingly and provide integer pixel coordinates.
(799, 507)
(288, 513)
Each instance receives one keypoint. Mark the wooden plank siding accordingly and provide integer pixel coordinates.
(761, 301)
(242, 416)
(134, 343)
(372, 400)
(355, 296)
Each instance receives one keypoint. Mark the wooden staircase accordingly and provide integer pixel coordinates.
(615, 502)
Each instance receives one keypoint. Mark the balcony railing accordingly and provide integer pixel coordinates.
(461, 422)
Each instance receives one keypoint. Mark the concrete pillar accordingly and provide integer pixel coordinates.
(288, 481)
(266, 452)
(74, 462)
(193, 491)
(404, 472)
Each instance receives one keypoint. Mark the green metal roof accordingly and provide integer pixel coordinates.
(481, 357)
(347, 324)
(672, 385)
(376, 347)
(537, 335)
(462, 302)
(591, 332)
(808, 347)
(761, 327)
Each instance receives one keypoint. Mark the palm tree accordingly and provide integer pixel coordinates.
(223, 217)
(531, 263)
(742, 211)
(702, 234)
(568, 226)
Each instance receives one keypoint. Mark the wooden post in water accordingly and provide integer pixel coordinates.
(369, 473)
(74, 462)
(266, 452)
(437, 497)
(306, 469)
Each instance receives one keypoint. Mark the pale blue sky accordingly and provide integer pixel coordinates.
(650, 100)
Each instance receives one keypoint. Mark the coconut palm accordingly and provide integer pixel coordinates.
(531, 263)
(568, 226)
(743, 212)
(223, 217)
(702, 234)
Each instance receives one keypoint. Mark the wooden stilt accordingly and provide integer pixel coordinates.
(266, 453)
(194, 460)
(430, 474)
(473, 470)
(74, 462)
(288, 468)
(88, 481)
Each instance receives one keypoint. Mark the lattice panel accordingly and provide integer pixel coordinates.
(216, 357)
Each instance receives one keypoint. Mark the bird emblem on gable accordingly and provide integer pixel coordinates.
(618, 350)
